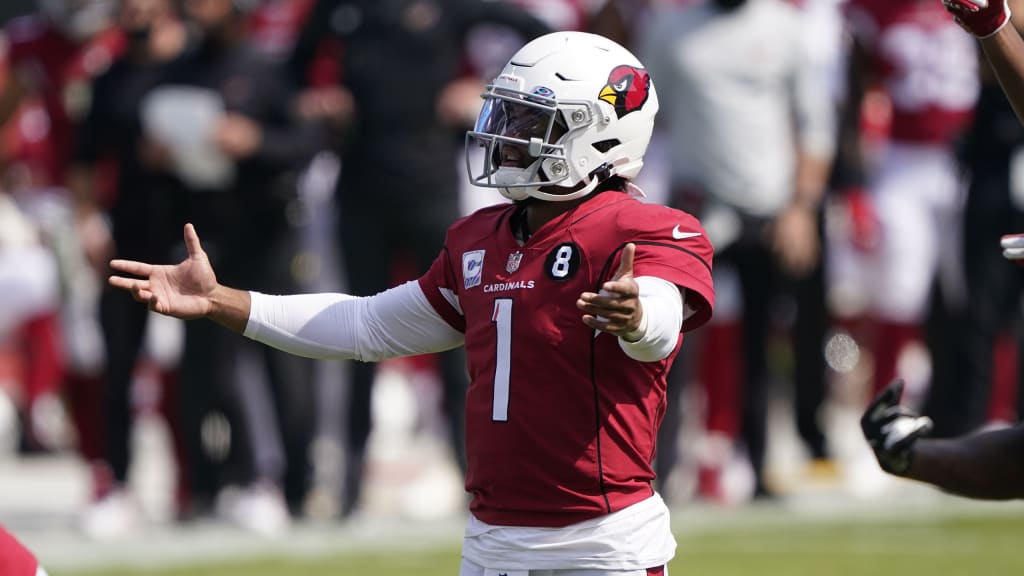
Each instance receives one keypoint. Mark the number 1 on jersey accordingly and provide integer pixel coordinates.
(502, 317)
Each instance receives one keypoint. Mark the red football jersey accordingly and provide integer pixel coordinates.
(15, 559)
(560, 422)
(274, 25)
(59, 72)
(926, 63)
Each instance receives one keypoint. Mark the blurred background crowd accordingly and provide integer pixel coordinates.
(851, 160)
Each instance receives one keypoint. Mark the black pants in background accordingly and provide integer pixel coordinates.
(384, 227)
(212, 384)
(762, 282)
(994, 289)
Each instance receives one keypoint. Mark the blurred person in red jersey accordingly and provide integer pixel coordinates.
(1002, 44)
(571, 302)
(30, 287)
(53, 55)
(910, 270)
(983, 464)
(986, 464)
(274, 25)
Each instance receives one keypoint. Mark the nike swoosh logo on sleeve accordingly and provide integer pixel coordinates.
(680, 235)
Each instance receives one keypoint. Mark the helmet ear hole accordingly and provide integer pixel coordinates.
(605, 145)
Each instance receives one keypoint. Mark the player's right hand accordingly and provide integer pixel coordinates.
(616, 308)
(1013, 248)
(982, 18)
(892, 429)
(182, 290)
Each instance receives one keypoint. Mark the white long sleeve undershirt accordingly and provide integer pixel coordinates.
(662, 303)
(397, 322)
(402, 322)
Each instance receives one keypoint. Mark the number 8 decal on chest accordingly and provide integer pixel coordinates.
(560, 267)
(563, 262)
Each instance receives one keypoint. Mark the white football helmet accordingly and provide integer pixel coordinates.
(569, 110)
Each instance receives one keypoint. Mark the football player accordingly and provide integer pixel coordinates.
(1004, 49)
(926, 68)
(571, 303)
(53, 56)
(1002, 44)
(985, 465)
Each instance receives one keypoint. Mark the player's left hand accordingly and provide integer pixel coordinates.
(982, 18)
(1013, 248)
(183, 290)
(892, 429)
(616, 309)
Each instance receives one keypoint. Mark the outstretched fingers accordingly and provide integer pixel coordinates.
(132, 267)
(621, 286)
(192, 241)
(140, 289)
(886, 399)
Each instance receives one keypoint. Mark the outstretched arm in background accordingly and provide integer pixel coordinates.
(1005, 52)
(396, 322)
(987, 465)
(1002, 44)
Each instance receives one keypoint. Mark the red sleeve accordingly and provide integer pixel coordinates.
(15, 559)
(441, 289)
(672, 245)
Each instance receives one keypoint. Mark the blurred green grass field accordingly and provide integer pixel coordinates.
(974, 545)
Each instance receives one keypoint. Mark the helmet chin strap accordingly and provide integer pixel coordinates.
(596, 176)
(536, 193)
(510, 176)
(523, 192)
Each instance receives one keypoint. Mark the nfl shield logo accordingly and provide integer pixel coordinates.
(513, 262)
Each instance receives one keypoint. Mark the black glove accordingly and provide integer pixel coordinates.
(891, 429)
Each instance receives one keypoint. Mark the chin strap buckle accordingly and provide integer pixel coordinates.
(601, 173)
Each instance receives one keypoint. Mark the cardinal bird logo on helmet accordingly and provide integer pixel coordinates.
(627, 89)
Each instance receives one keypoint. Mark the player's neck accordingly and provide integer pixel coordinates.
(538, 213)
